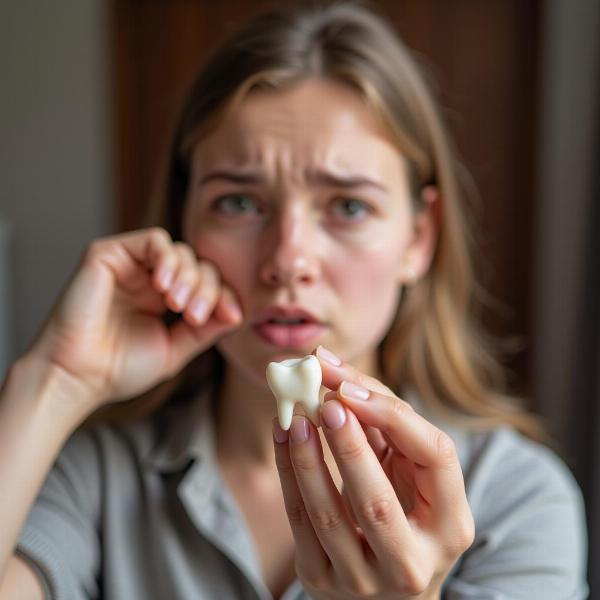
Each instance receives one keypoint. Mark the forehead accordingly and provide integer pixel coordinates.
(313, 121)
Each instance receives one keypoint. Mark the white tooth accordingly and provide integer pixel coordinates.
(296, 380)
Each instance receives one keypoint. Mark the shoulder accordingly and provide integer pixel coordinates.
(530, 524)
(531, 538)
(500, 458)
(504, 459)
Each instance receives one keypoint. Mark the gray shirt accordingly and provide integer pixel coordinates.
(141, 512)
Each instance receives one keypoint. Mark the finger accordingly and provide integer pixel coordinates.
(311, 560)
(371, 494)
(187, 341)
(376, 439)
(335, 371)
(438, 475)
(325, 507)
(204, 295)
(132, 254)
(228, 308)
(185, 278)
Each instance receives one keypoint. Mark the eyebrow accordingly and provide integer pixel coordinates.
(322, 177)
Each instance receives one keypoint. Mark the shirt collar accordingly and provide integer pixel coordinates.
(184, 432)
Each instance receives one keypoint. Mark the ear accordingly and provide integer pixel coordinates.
(419, 251)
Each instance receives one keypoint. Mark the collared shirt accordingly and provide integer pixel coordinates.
(141, 512)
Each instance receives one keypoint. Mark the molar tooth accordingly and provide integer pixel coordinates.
(296, 380)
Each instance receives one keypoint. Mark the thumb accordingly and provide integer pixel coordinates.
(187, 340)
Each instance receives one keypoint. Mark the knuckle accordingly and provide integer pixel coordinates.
(462, 537)
(326, 520)
(351, 450)
(303, 462)
(443, 447)
(94, 248)
(297, 515)
(377, 512)
(416, 579)
(284, 466)
(468, 532)
(208, 272)
(160, 234)
(399, 408)
(185, 251)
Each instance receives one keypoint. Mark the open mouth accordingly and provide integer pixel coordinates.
(291, 322)
(291, 328)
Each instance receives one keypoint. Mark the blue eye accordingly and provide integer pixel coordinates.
(351, 209)
(236, 204)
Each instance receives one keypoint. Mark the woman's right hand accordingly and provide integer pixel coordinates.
(106, 331)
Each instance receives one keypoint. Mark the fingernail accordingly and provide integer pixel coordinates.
(280, 435)
(299, 430)
(165, 278)
(199, 309)
(353, 391)
(334, 414)
(235, 311)
(180, 294)
(328, 356)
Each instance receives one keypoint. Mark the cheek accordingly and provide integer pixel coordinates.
(366, 274)
(236, 268)
(368, 288)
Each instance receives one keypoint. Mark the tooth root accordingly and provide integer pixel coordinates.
(285, 411)
(296, 380)
(313, 411)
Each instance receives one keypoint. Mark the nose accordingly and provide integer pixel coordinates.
(292, 257)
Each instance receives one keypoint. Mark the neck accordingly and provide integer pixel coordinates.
(245, 412)
(244, 422)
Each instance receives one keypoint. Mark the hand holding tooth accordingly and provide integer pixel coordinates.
(296, 380)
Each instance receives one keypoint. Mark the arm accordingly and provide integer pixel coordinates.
(104, 341)
(32, 431)
(20, 581)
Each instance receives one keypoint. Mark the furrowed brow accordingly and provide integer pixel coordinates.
(232, 177)
(319, 177)
(346, 181)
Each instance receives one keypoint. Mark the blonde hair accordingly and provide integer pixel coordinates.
(436, 345)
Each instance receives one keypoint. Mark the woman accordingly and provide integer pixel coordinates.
(313, 204)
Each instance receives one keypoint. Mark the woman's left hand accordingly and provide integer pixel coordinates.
(403, 519)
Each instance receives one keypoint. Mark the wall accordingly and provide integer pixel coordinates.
(55, 180)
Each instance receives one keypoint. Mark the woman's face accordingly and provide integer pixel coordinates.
(302, 203)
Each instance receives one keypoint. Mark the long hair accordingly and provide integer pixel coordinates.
(436, 345)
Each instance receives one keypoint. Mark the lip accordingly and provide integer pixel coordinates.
(293, 337)
(285, 312)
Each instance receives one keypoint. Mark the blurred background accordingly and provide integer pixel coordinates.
(90, 88)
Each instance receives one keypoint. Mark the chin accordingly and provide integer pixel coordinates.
(250, 360)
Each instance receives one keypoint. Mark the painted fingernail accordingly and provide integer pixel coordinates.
(180, 294)
(328, 356)
(299, 430)
(353, 391)
(280, 435)
(199, 309)
(165, 277)
(235, 311)
(334, 414)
